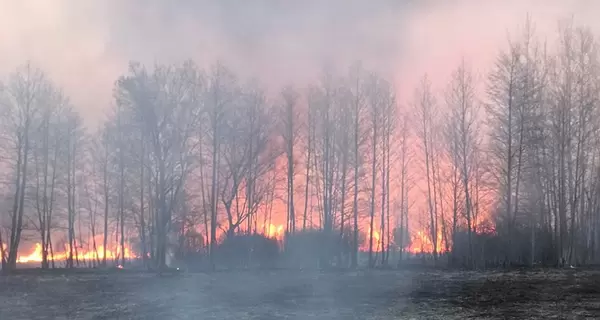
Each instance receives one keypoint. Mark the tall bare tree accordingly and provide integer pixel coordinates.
(463, 122)
(424, 107)
(163, 102)
(290, 128)
(21, 101)
(356, 85)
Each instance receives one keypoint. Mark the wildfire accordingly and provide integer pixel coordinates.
(421, 243)
(274, 231)
(376, 241)
(37, 255)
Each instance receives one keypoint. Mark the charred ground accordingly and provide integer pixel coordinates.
(283, 294)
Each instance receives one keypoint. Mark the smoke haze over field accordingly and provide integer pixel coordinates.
(461, 134)
(85, 45)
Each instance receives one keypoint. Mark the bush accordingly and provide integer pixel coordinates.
(247, 251)
(317, 249)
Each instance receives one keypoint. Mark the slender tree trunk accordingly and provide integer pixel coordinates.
(15, 211)
(70, 200)
(106, 200)
(343, 196)
(50, 206)
(355, 193)
(142, 203)
(383, 197)
(373, 176)
(17, 225)
(403, 188)
(291, 226)
(121, 202)
(387, 185)
(307, 178)
(95, 259)
(203, 195)
(214, 182)
(429, 196)
(455, 186)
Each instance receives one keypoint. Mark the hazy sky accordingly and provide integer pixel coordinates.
(84, 45)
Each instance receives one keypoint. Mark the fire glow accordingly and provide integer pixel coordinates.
(274, 231)
(81, 255)
(421, 243)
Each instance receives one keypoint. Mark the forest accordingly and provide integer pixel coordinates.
(194, 165)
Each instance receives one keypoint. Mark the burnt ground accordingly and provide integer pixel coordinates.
(551, 294)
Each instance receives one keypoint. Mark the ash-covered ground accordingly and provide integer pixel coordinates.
(541, 294)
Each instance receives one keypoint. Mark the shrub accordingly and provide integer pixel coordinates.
(247, 250)
(317, 248)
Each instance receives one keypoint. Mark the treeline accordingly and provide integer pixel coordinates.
(187, 151)
(493, 170)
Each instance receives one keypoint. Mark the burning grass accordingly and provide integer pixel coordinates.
(79, 254)
(302, 295)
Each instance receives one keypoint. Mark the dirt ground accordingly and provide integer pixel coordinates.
(551, 294)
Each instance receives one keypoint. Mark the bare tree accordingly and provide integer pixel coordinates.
(103, 154)
(221, 88)
(463, 122)
(507, 129)
(574, 114)
(389, 129)
(46, 153)
(309, 140)
(402, 221)
(290, 130)
(24, 94)
(424, 105)
(163, 102)
(356, 85)
(245, 156)
(73, 136)
(322, 100)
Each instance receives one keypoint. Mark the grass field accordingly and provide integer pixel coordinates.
(549, 294)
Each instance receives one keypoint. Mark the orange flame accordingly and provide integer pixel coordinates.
(274, 231)
(421, 243)
(37, 255)
(376, 241)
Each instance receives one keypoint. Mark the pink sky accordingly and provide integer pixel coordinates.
(84, 45)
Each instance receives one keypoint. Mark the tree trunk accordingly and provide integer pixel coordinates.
(106, 199)
(373, 176)
(307, 182)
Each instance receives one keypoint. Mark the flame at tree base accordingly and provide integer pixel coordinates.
(79, 255)
(421, 243)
